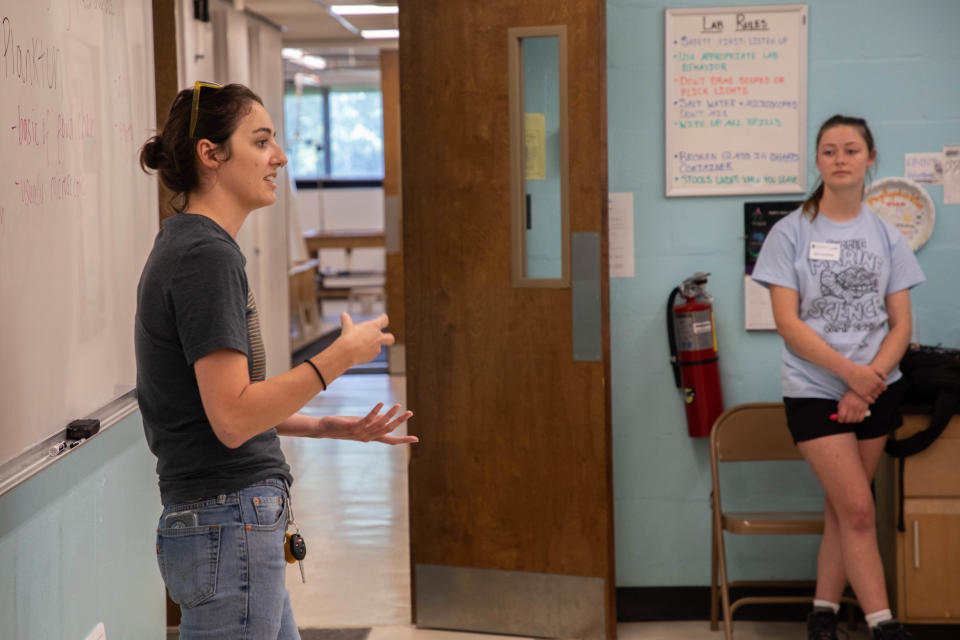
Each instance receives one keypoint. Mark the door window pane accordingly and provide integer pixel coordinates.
(544, 190)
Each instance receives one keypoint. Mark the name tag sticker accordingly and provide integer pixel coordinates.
(824, 251)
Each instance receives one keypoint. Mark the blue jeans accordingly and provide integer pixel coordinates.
(222, 560)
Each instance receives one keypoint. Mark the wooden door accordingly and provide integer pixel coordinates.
(392, 211)
(511, 486)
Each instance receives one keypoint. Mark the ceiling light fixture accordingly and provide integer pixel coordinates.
(313, 62)
(363, 9)
(380, 34)
(291, 54)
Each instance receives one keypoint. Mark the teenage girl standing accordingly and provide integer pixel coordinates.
(839, 280)
(209, 414)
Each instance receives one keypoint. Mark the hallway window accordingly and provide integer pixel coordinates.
(334, 133)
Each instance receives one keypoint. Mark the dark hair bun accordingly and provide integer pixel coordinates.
(153, 155)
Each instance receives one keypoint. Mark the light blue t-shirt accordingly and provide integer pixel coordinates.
(842, 272)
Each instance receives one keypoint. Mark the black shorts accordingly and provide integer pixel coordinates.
(809, 418)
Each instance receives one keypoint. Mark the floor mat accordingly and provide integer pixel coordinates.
(358, 633)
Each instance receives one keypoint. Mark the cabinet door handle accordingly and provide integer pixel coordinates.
(916, 544)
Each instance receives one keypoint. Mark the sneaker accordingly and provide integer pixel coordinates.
(891, 630)
(822, 625)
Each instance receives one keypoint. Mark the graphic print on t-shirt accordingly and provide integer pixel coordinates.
(258, 357)
(850, 298)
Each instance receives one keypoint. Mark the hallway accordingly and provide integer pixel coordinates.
(350, 501)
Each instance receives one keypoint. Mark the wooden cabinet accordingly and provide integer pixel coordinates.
(922, 563)
(930, 581)
(306, 322)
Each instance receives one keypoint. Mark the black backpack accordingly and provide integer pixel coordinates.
(933, 387)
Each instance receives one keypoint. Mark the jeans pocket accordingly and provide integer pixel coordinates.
(269, 510)
(188, 559)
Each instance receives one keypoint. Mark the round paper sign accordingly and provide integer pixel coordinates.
(906, 205)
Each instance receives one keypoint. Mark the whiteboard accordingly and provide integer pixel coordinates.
(736, 95)
(77, 215)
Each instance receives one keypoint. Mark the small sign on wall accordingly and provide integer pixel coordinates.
(759, 218)
(620, 233)
(926, 168)
(951, 174)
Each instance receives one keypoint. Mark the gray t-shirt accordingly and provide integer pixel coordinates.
(842, 273)
(193, 299)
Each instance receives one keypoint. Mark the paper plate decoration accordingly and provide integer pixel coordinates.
(906, 205)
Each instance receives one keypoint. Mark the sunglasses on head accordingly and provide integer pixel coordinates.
(197, 86)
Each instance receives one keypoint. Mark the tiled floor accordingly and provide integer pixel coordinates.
(350, 500)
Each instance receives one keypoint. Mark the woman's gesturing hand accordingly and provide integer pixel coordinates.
(363, 340)
(373, 427)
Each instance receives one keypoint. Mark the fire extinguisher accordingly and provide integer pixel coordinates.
(693, 353)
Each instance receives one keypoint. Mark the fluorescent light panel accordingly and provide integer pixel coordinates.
(380, 34)
(310, 62)
(313, 62)
(363, 9)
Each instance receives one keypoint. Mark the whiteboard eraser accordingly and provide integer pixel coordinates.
(83, 428)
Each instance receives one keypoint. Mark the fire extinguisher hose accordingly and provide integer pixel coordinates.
(671, 333)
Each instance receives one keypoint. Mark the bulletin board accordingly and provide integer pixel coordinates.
(736, 95)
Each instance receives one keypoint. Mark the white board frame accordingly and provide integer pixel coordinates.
(671, 188)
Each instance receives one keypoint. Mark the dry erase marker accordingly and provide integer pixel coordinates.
(834, 416)
(56, 449)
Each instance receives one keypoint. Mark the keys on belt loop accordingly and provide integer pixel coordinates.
(294, 549)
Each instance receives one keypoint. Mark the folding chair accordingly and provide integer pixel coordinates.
(751, 432)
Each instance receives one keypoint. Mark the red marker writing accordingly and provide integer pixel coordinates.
(834, 416)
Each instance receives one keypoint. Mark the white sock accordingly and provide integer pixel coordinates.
(826, 604)
(875, 618)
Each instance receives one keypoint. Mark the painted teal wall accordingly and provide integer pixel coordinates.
(77, 544)
(894, 63)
